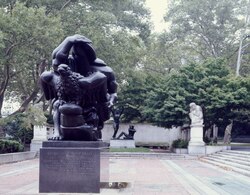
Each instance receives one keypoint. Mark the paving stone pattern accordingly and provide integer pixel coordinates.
(143, 176)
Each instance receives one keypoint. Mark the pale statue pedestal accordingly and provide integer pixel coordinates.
(39, 136)
(122, 143)
(196, 144)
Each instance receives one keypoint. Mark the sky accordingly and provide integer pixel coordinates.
(158, 10)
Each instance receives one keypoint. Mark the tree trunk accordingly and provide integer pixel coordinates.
(4, 85)
(1, 104)
(25, 104)
(6, 76)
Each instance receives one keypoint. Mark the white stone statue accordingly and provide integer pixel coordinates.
(227, 135)
(195, 114)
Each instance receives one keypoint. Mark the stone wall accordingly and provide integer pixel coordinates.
(146, 134)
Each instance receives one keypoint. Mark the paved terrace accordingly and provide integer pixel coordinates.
(143, 176)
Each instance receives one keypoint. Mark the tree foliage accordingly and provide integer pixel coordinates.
(20, 126)
(118, 30)
(159, 75)
(131, 96)
(208, 28)
(27, 34)
(30, 30)
(210, 25)
(210, 85)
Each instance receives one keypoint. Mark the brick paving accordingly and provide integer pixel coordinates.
(143, 176)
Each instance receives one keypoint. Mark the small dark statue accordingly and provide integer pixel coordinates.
(130, 135)
(116, 114)
(82, 89)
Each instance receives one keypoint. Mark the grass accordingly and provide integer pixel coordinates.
(220, 143)
(240, 144)
(231, 144)
(139, 149)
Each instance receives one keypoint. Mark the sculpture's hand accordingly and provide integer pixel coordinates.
(61, 53)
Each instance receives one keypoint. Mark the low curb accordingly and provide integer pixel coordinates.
(148, 155)
(21, 156)
(15, 157)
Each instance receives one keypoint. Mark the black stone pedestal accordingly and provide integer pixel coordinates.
(70, 167)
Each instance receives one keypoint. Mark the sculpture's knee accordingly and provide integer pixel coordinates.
(71, 115)
(70, 109)
(47, 76)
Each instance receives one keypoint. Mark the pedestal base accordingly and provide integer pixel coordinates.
(35, 145)
(122, 143)
(70, 167)
(196, 144)
(39, 135)
(196, 150)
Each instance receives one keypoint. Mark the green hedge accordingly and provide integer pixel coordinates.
(180, 143)
(9, 146)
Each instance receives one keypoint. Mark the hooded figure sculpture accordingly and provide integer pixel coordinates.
(82, 89)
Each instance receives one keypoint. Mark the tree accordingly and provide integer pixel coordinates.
(207, 28)
(51, 6)
(132, 95)
(118, 30)
(113, 26)
(210, 85)
(130, 15)
(20, 125)
(165, 105)
(27, 38)
(162, 54)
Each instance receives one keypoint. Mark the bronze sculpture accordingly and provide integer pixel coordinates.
(82, 88)
(129, 135)
(116, 113)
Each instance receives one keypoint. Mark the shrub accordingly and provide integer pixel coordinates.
(207, 140)
(180, 143)
(18, 127)
(9, 146)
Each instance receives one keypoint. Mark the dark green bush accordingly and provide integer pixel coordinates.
(9, 146)
(18, 127)
(180, 143)
(207, 140)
